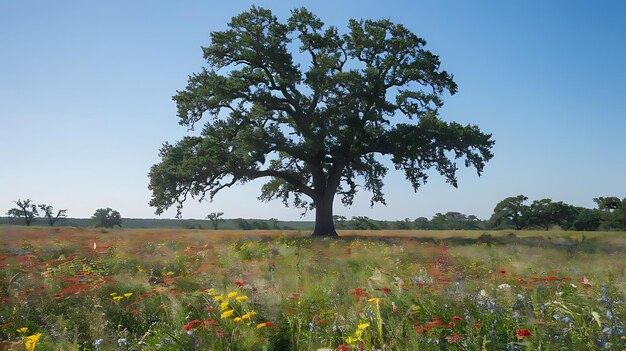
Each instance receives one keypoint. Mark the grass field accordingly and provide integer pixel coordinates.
(83, 289)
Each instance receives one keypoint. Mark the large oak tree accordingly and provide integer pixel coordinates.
(314, 111)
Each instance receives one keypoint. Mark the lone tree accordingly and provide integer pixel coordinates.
(49, 213)
(313, 121)
(215, 218)
(25, 209)
(107, 218)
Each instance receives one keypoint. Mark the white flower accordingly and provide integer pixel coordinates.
(504, 286)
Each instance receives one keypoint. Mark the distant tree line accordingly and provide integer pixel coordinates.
(513, 212)
(440, 221)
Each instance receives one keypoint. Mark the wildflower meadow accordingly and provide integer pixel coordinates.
(87, 289)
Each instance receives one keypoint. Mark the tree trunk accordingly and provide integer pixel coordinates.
(324, 226)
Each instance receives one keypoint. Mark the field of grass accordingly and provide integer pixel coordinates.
(85, 289)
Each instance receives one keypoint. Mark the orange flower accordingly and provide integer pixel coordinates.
(263, 325)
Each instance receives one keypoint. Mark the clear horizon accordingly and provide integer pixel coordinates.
(85, 101)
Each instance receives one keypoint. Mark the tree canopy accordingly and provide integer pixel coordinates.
(511, 211)
(25, 209)
(107, 218)
(317, 121)
(49, 214)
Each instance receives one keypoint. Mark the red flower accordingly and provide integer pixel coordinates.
(360, 294)
(457, 318)
(476, 325)
(421, 330)
(134, 311)
(451, 324)
(193, 324)
(386, 290)
(522, 333)
(269, 324)
(239, 283)
(342, 347)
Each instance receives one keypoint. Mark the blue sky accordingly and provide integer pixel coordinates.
(85, 100)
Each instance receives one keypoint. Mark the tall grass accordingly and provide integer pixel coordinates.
(206, 290)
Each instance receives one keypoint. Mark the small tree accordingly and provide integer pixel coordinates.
(542, 213)
(215, 218)
(587, 219)
(25, 209)
(274, 222)
(421, 223)
(363, 223)
(613, 212)
(107, 218)
(49, 214)
(511, 211)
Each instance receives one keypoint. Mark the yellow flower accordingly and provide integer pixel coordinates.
(237, 320)
(22, 330)
(128, 294)
(218, 297)
(212, 292)
(224, 305)
(415, 308)
(362, 326)
(227, 314)
(117, 298)
(241, 298)
(31, 341)
(113, 294)
(248, 315)
(374, 300)
(262, 325)
(231, 294)
(169, 273)
(351, 340)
